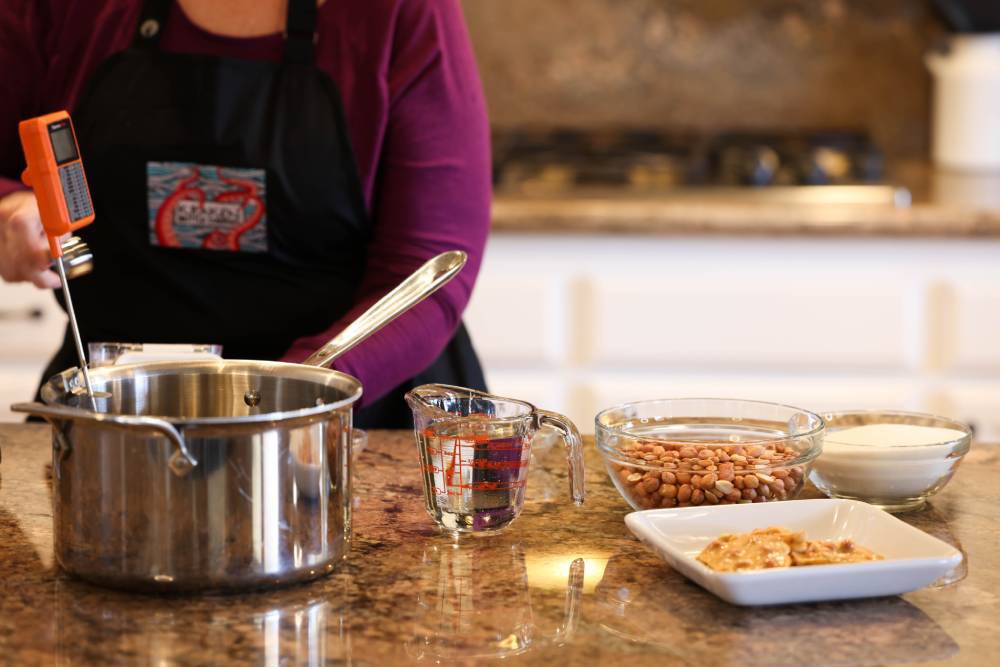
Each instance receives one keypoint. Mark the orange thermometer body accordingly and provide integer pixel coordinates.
(55, 173)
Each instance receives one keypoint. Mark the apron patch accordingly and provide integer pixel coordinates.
(201, 206)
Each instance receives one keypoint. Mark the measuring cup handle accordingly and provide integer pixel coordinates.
(574, 450)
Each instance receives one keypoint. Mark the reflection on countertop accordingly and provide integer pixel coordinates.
(941, 204)
(632, 607)
(563, 585)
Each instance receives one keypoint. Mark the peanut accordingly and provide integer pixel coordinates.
(679, 475)
(684, 493)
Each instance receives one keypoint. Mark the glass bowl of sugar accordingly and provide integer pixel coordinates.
(895, 460)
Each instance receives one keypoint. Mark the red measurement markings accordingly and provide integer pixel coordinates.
(463, 452)
(495, 446)
(458, 489)
(481, 464)
(471, 451)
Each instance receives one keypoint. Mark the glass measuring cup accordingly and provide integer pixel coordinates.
(475, 449)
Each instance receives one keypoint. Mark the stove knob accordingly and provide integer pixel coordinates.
(827, 165)
(748, 165)
(762, 166)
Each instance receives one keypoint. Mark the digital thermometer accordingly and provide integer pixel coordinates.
(55, 173)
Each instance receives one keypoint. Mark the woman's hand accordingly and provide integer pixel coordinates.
(24, 249)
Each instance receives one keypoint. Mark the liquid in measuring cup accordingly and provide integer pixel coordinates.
(475, 470)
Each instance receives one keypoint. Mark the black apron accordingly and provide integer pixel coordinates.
(229, 206)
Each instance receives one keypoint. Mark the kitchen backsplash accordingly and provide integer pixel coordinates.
(705, 65)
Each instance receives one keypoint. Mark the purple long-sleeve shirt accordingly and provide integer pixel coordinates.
(416, 117)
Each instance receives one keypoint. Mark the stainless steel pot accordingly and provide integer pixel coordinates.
(220, 494)
(211, 475)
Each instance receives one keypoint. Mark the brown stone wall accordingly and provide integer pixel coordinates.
(709, 64)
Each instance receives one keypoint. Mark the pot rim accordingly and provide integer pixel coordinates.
(70, 382)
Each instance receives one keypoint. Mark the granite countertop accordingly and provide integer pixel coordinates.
(409, 595)
(944, 205)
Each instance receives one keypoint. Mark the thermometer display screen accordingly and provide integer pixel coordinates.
(63, 145)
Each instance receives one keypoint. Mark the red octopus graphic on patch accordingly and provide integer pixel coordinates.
(209, 207)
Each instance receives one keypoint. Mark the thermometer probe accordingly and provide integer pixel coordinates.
(55, 173)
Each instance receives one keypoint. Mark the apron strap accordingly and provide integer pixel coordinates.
(300, 32)
(300, 28)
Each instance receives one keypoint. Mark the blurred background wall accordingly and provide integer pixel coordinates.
(709, 64)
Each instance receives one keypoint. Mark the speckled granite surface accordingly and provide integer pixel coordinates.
(407, 595)
(636, 215)
(945, 204)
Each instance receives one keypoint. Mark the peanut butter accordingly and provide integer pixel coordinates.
(766, 548)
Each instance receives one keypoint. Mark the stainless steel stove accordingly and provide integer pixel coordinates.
(807, 167)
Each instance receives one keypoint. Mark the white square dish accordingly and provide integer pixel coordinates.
(913, 559)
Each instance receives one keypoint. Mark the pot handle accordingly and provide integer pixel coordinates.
(181, 462)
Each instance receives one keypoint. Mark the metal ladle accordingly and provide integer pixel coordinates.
(423, 282)
(418, 286)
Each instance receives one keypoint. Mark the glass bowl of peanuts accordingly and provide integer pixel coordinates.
(707, 451)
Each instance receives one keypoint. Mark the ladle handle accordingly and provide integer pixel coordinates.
(574, 450)
(421, 284)
(181, 462)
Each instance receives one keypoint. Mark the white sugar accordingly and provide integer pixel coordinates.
(893, 435)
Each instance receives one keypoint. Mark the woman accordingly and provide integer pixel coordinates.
(259, 178)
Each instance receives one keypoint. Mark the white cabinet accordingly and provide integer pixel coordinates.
(758, 318)
(31, 329)
(519, 319)
(578, 323)
(970, 326)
